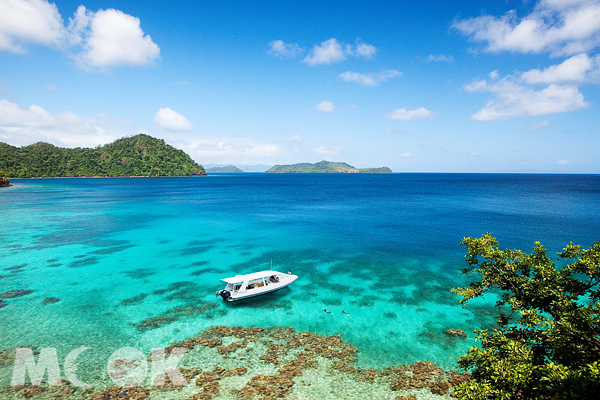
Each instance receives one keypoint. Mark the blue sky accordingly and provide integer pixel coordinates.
(429, 86)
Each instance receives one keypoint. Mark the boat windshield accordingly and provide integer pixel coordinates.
(256, 283)
(233, 287)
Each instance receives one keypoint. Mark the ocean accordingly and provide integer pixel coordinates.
(115, 262)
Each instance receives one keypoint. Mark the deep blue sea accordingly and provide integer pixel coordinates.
(132, 260)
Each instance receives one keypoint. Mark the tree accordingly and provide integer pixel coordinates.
(547, 344)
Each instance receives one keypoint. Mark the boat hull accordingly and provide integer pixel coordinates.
(250, 294)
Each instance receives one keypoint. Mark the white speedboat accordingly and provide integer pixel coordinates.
(243, 286)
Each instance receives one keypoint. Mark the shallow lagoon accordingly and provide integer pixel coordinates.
(136, 261)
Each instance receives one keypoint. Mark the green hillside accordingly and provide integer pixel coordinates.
(139, 155)
(229, 169)
(326, 167)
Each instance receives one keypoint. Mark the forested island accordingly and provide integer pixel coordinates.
(229, 169)
(139, 155)
(326, 167)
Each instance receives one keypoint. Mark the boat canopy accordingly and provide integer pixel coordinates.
(249, 277)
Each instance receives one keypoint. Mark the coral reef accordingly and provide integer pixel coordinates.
(118, 392)
(254, 363)
(456, 332)
(134, 300)
(51, 300)
(173, 315)
(16, 267)
(15, 293)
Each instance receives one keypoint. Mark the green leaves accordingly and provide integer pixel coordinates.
(549, 346)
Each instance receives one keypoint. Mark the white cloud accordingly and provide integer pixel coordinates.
(284, 50)
(578, 68)
(514, 99)
(494, 74)
(29, 21)
(26, 125)
(563, 162)
(405, 155)
(331, 51)
(365, 50)
(402, 114)
(325, 106)
(101, 39)
(555, 26)
(220, 150)
(440, 58)
(171, 120)
(297, 140)
(540, 125)
(112, 38)
(476, 86)
(12, 115)
(369, 79)
(324, 151)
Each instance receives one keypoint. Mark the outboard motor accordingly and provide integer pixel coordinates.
(224, 294)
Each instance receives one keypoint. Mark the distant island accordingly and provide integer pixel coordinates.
(139, 155)
(230, 169)
(327, 168)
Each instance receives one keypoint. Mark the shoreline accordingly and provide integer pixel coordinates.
(121, 176)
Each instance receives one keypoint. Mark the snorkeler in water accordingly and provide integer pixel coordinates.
(328, 312)
(346, 313)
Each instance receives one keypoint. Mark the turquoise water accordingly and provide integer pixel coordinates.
(137, 261)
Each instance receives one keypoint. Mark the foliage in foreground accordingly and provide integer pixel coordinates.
(139, 155)
(547, 345)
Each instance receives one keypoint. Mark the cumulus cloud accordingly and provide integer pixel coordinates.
(12, 115)
(325, 151)
(171, 120)
(111, 38)
(363, 50)
(325, 106)
(440, 58)
(540, 125)
(513, 100)
(26, 125)
(563, 162)
(29, 21)
(554, 26)
(402, 114)
(331, 51)
(284, 50)
(296, 140)
(579, 68)
(101, 39)
(228, 150)
(369, 79)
